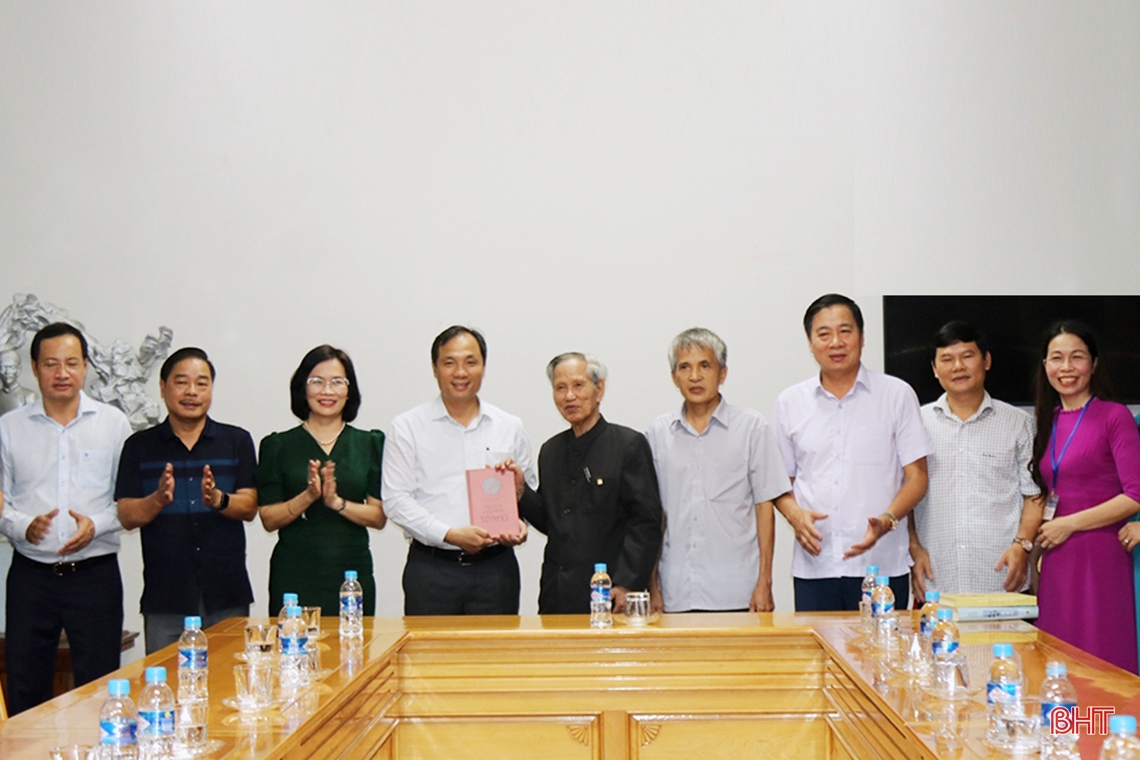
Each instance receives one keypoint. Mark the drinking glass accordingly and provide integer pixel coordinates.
(253, 686)
(312, 618)
(260, 643)
(73, 752)
(637, 608)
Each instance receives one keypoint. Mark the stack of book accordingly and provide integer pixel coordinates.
(1004, 606)
(996, 632)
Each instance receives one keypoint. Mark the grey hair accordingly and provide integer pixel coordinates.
(594, 368)
(698, 337)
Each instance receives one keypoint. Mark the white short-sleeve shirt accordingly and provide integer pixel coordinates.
(847, 456)
(979, 478)
(710, 484)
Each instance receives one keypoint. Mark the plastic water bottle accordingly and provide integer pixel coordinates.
(1057, 691)
(865, 601)
(1121, 743)
(156, 717)
(1005, 685)
(883, 612)
(193, 662)
(119, 723)
(601, 599)
(294, 651)
(944, 636)
(351, 607)
(929, 617)
(288, 599)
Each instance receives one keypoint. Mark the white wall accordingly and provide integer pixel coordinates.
(266, 176)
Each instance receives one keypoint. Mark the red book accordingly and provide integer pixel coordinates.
(491, 496)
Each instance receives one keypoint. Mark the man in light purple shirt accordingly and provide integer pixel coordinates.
(855, 448)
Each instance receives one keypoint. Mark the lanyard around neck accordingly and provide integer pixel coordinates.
(1053, 448)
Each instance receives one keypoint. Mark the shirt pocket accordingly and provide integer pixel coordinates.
(729, 484)
(872, 444)
(94, 468)
(996, 472)
(602, 491)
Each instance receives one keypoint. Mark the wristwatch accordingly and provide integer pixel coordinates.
(1024, 543)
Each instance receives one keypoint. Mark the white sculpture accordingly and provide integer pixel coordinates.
(12, 394)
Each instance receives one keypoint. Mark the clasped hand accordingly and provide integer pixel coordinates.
(322, 484)
(85, 530)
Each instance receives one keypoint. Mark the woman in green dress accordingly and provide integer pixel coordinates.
(319, 487)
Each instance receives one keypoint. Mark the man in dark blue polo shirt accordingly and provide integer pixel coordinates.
(189, 484)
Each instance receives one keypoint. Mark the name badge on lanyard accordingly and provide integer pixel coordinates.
(1053, 501)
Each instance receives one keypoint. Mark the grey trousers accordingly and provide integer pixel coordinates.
(164, 629)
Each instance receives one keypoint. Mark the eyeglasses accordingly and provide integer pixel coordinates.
(335, 384)
(1076, 360)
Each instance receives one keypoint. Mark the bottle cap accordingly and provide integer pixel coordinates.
(350, 575)
(945, 614)
(293, 611)
(872, 569)
(933, 596)
(882, 580)
(288, 599)
(600, 567)
(156, 675)
(1003, 650)
(193, 621)
(121, 687)
(1122, 724)
(1054, 668)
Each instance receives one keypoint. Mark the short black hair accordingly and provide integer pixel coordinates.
(298, 395)
(55, 330)
(182, 354)
(827, 301)
(957, 331)
(452, 332)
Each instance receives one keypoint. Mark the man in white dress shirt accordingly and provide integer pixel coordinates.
(719, 468)
(854, 446)
(59, 457)
(981, 512)
(453, 567)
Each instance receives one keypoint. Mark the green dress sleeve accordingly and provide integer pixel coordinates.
(269, 482)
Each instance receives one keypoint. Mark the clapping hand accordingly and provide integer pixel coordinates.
(328, 485)
(313, 485)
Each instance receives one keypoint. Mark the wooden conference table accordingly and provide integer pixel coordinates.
(703, 685)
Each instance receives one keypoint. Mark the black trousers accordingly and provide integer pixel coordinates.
(843, 594)
(87, 603)
(435, 586)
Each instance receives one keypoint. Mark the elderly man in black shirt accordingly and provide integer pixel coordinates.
(597, 500)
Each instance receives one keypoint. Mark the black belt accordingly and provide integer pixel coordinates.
(64, 568)
(460, 557)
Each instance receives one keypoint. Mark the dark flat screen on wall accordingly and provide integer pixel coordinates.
(1015, 327)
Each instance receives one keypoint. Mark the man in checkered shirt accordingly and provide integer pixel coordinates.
(976, 524)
